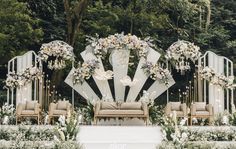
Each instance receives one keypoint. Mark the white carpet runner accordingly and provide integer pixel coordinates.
(119, 137)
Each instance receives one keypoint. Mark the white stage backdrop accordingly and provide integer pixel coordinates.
(29, 91)
(220, 98)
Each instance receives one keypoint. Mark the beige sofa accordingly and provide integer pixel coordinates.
(201, 110)
(29, 109)
(181, 109)
(58, 109)
(120, 110)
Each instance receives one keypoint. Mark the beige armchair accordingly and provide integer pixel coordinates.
(201, 110)
(58, 109)
(181, 109)
(29, 109)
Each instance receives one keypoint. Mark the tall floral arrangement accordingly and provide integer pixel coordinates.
(156, 72)
(102, 46)
(181, 52)
(215, 78)
(85, 71)
(56, 53)
(66, 129)
(174, 131)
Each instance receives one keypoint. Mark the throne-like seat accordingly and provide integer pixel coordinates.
(121, 110)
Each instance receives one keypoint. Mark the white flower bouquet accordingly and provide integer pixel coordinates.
(183, 48)
(215, 78)
(19, 79)
(56, 53)
(156, 72)
(101, 46)
(85, 71)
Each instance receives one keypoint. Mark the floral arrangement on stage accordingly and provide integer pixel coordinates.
(156, 72)
(56, 53)
(215, 78)
(182, 51)
(67, 128)
(102, 46)
(7, 114)
(25, 136)
(20, 79)
(85, 71)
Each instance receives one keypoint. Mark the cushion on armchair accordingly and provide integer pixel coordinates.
(131, 106)
(200, 106)
(109, 105)
(30, 105)
(175, 106)
(62, 105)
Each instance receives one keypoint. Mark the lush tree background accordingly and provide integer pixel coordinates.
(26, 24)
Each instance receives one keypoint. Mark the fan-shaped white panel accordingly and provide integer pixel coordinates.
(83, 89)
(160, 88)
(153, 57)
(120, 63)
(102, 85)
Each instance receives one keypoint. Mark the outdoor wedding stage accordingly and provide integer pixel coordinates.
(120, 78)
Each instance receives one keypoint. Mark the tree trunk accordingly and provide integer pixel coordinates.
(73, 20)
(208, 19)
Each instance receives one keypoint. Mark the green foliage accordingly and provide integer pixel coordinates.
(232, 119)
(18, 29)
(50, 14)
(156, 114)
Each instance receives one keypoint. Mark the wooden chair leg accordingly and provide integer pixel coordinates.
(38, 119)
(191, 121)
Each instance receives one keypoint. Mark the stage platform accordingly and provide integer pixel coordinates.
(120, 137)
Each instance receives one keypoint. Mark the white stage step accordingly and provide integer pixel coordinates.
(119, 137)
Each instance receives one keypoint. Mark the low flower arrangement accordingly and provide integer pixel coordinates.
(20, 79)
(85, 71)
(102, 46)
(178, 136)
(156, 72)
(7, 114)
(215, 78)
(62, 136)
(56, 53)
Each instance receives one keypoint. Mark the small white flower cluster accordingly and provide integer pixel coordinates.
(156, 72)
(56, 52)
(183, 48)
(148, 98)
(215, 78)
(6, 113)
(102, 46)
(19, 79)
(67, 128)
(85, 71)
(7, 110)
